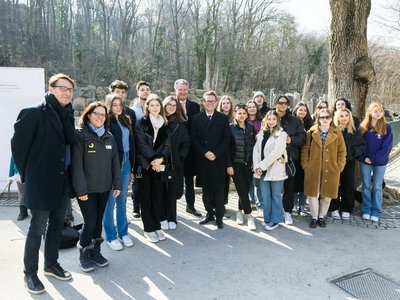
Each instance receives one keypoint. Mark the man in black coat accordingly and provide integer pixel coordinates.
(41, 147)
(189, 110)
(210, 138)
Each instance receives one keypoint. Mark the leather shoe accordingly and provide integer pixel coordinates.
(206, 220)
(220, 225)
(313, 223)
(58, 272)
(33, 284)
(193, 211)
(321, 222)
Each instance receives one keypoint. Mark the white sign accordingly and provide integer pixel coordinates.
(19, 88)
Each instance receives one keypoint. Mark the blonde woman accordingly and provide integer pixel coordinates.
(269, 156)
(355, 145)
(226, 106)
(323, 158)
(378, 137)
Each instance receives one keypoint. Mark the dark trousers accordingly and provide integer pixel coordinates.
(226, 187)
(135, 200)
(189, 190)
(51, 223)
(345, 201)
(243, 177)
(288, 193)
(170, 205)
(152, 197)
(213, 197)
(92, 212)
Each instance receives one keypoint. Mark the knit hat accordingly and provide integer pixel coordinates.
(259, 93)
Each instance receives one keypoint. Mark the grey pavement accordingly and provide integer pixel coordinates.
(202, 262)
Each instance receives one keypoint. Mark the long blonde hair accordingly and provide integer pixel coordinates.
(350, 125)
(381, 126)
(264, 123)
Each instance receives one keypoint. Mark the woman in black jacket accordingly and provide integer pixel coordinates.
(180, 146)
(152, 154)
(240, 162)
(355, 146)
(121, 128)
(95, 169)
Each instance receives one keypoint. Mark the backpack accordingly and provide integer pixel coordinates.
(69, 236)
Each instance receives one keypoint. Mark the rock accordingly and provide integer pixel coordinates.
(79, 103)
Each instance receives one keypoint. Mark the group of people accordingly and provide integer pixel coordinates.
(275, 157)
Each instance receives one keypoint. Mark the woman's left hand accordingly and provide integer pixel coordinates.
(116, 193)
(230, 171)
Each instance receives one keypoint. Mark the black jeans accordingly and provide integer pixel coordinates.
(288, 193)
(134, 195)
(243, 177)
(51, 223)
(189, 190)
(345, 200)
(92, 212)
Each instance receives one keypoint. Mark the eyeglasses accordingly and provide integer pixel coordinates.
(65, 89)
(282, 103)
(210, 101)
(325, 118)
(97, 114)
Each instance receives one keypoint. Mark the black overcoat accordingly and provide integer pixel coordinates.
(210, 135)
(39, 150)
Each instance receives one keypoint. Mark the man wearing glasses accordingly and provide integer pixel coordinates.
(41, 147)
(210, 138)
(295, 140)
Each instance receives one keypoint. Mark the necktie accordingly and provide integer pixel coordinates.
(209, 117)
(184, 107)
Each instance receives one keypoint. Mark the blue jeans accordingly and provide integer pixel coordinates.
(120, 203)
(372, 199)
(255, 193)
(51, 223)
(272, 200)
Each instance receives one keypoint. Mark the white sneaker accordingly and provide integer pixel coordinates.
(366, 216)
(288, 218)
(271, 226)
(160, 235)
(374, 219)
(260, 213)
(251, 224)
(127, 241)
(239, 218)
(345, 215)
(151, 236)
(172, 225)
(335, 215)
(164, 225)
(115, 245)
(263, 224)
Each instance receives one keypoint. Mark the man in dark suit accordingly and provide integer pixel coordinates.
(41, 147)
(210, 138)
(189, 109)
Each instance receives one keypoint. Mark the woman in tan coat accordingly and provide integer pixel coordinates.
(323, 158)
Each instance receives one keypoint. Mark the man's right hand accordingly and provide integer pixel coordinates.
(83, 197)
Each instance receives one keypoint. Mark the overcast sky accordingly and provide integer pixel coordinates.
(314, 16)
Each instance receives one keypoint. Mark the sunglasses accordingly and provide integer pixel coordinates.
(325, 118)
(282, 103)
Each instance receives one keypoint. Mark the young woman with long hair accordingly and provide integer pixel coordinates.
(269, 157)
(226, 106)
(153, 150)
(355, 146)
(121, 128)
(323, 158)
(240, 162)
(180, 146)
(378, 138)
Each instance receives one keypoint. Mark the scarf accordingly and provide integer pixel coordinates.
(157, 123)
(266, 136)
(66, 115)
(99, 131)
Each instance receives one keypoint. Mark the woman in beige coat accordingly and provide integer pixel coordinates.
(323, 158)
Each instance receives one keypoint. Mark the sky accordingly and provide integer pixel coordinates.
(314, 16)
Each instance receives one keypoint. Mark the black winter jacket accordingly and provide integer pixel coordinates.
(242, 143)
(294, 127)
(117, 133)
(147, 151)
(355, 144)
(95, 163)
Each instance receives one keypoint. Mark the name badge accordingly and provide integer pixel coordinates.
(109, 147)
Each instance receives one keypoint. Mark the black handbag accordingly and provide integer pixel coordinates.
(168, 174)
(290, 168)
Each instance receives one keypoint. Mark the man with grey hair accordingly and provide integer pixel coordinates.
(189, 110)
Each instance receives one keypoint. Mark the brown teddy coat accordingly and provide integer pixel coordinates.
(322, 168)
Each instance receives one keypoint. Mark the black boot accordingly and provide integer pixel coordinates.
(85, 258)
(97, 258)
(23, 213)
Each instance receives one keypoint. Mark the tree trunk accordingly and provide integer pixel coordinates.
(348, 44)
